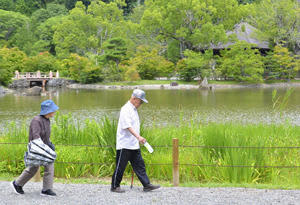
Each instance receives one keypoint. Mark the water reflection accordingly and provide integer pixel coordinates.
(165, 106)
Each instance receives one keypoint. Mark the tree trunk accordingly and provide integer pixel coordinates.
(181, 48)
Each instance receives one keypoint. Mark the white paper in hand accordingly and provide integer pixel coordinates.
(148, 146)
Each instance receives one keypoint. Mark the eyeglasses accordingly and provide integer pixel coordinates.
(140, 101)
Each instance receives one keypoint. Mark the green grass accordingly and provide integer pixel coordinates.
(149, 82)
(230, 82)
(165, 82)
(281, 81)
(224, 82)
(66, 131)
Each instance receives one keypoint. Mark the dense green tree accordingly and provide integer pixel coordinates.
(112, 73)
(84, 32)
(229, 13)
(27, 7)
(56, 10)
(14, 58)
(10, 61)
(70, 4)
(70, 35)
(133, 35)
(195, 24)
(271, 71)
(28, 37)
(41, 15)
(5, 73)
(130, 5)
(195, 65)
(9, 24)
(7, 5)
(109, 20)
(108, 32)
(44, 33)
(92, 74)
(24, 38)
(247, 1)
(149, 64)
(114, 50)
(81, 69)
(279, 21)
(173, 50)
(242, 63)
(131, 74)
(285, 64)
(43, 62)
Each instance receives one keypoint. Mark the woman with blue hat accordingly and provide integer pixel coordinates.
(40, 128)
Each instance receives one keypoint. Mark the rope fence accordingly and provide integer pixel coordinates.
(237, 147)
(181, 164)
(175, 158)
(165, 146)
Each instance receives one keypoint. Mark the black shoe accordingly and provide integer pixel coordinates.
(48, 192)
(117, 190)
(18, 189)
(151, 187)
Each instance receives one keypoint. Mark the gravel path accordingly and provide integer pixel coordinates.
(100, 194)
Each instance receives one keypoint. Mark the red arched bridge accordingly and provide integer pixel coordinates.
(36, 78)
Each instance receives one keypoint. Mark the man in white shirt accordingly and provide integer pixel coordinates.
(128, 143)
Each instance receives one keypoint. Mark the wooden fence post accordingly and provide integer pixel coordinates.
(37, 176)
(175, 162)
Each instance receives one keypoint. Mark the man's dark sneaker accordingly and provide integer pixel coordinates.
(117, 190)
(18, 189)
(151, 187)
(48, 192)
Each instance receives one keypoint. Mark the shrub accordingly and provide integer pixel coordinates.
(195, 65)
(149, 64)
(81, 69)
(43, 62)
(242, 63)
(11, 59)
(131, 74)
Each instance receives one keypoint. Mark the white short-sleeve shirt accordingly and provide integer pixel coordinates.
(129, 117)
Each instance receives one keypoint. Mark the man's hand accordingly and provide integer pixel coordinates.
(141, 139)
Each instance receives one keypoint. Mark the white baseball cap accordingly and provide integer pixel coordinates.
(139, 94)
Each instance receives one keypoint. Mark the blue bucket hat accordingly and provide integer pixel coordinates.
(47, 107)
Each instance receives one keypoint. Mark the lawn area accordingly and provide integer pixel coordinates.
(180, 82)
(149, 82)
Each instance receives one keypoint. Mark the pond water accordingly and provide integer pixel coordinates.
(165, 106)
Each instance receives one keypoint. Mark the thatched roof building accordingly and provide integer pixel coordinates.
(244, 32)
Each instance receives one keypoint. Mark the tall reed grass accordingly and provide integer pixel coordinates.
(67, 131)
